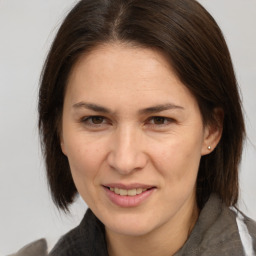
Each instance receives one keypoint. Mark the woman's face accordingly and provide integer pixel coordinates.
(131, 127)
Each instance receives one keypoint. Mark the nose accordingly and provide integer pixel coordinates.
(126, 154)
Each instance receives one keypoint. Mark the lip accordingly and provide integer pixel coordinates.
(128, 186)
(128, 201)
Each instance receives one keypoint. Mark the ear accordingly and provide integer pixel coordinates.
(63, 149)
(213, 132)
(62, 145)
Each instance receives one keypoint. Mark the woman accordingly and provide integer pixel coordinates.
(140, 114)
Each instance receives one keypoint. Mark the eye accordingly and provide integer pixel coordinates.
(94, 121)
(159, 120)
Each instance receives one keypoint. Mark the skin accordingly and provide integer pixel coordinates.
(128, 144)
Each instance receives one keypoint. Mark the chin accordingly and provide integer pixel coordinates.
(130, 225)
(130, 230)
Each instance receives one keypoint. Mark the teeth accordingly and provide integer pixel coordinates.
(129, 192)
(123, 192)
(132, 192)
(139, 191)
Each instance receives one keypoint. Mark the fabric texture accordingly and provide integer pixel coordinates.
(216, 233)
(88, 239)
(37, 248)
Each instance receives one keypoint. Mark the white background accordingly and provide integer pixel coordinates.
(27, 28)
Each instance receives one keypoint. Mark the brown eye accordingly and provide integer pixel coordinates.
(96, 123)
(158, 120)
(94, 120)
(97, 119)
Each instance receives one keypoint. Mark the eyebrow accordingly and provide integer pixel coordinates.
(160, 108)
(91, 106)
(149, 110)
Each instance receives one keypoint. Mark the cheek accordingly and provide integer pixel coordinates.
(178, 158)
(84, 159)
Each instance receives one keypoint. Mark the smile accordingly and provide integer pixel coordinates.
(128, 196)
(127, 192)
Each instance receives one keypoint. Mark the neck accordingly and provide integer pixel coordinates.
(165, 240)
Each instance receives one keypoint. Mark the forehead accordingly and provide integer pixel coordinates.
(114, 57)
(126, 73)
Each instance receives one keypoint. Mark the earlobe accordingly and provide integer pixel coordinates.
(63, 149)
(213, 132)
(62, 145)
(211, 141)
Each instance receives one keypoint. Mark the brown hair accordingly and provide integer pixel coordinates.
(187, 34)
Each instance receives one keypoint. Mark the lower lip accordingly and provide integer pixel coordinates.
(128, 201)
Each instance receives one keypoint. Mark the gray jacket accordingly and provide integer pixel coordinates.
(219, 231)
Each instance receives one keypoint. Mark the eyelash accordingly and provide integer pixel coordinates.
(88, 121)
(166, 120)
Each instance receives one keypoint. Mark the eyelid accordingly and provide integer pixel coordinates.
(167, 121)
(87, 120)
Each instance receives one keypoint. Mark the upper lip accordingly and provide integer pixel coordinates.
(128, 186)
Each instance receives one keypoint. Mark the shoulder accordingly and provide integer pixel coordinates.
(250, 223)
(220, 230)
(87, 239)
(38, 248)
(68, 244)
(247, 231)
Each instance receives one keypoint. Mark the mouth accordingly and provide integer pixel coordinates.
(128, 192)
(128, 195)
